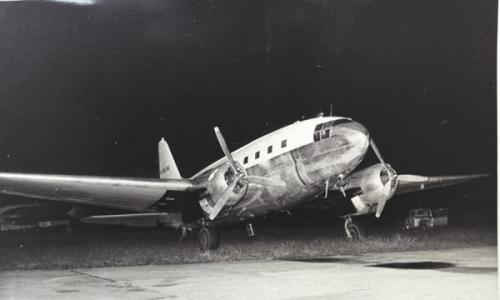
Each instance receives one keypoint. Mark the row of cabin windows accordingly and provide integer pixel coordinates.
(269, 150)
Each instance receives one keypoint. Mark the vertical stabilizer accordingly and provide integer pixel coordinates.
(167, 165)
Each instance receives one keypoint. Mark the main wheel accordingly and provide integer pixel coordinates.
(355, 232)
(208, 239)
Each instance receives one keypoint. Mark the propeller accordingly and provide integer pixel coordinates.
(383, 201)
(389, 189)
(240, 178)
(223, 198)
(387, 185)
(225, 149)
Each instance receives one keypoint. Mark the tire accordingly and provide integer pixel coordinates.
(355, 231)
(424, 226)
(208, 239)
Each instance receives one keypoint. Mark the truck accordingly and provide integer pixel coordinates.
(425, 218)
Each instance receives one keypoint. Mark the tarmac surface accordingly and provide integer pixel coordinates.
(436, 274)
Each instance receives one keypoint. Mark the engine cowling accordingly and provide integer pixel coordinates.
(378, 184)
(218, 182)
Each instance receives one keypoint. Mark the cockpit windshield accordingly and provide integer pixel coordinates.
(323, 130)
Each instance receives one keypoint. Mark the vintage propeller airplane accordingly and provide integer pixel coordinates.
(274, 173)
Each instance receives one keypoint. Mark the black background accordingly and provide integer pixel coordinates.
(89, 90)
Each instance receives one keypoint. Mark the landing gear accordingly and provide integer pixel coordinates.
(208, 238)
(352, 230)
(250, 230)
(184, 233)
(73, 227)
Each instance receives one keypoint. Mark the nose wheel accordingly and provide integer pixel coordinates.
(353, 230)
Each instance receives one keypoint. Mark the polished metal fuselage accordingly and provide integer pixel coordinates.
(307, 170)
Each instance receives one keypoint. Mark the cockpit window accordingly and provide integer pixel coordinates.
(316, 135)
(341, 121)
(325, 134)
(323, 130)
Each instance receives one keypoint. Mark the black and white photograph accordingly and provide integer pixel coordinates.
(239, 149)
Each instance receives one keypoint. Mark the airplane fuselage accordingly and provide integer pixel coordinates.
(308, 155)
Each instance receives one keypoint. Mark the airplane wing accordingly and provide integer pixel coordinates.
(377, 184)
(411, 183)
(135, 194)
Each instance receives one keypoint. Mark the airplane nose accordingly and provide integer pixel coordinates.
(356, 135)
(356, 127)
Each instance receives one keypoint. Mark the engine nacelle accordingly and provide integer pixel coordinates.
(377, 183)
(218, 182)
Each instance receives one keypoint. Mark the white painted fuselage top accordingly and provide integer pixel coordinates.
(274, 144)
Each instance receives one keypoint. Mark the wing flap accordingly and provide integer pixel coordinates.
(123, 193)
(136, 220)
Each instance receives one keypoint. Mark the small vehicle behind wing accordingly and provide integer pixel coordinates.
(425, 218)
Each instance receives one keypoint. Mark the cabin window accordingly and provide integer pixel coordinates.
(283, 143)
(245, 160)
(269, 149)
(257, 154)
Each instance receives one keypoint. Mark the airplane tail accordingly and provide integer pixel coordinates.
(167, 166)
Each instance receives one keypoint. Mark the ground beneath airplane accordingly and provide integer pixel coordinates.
(120, 246)
(465, 273)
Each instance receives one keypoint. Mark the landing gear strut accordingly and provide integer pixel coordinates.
(208, 238)
(73, 227)
(184, 233)
(352, 230)
(250, 231)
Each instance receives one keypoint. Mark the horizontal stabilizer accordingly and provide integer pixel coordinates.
(137, 220)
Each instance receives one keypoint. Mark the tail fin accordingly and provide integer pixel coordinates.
(167, 165)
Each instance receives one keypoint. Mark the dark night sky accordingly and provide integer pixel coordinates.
(91, 89)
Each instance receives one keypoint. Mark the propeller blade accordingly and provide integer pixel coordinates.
(266, 181)
(222, 200)
(377, 152)
(225, 149)
(387, 191)
(380, 207)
